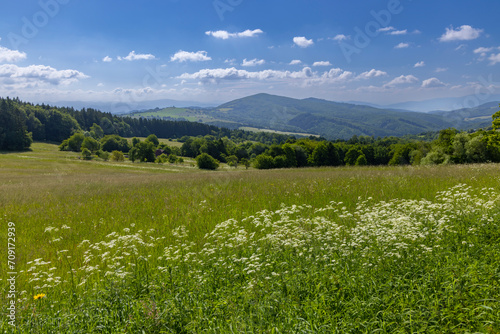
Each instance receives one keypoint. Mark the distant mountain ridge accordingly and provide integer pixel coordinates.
(327, 118)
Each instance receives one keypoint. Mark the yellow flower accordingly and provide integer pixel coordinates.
(39, 296)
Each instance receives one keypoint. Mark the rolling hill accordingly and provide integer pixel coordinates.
(326, 118)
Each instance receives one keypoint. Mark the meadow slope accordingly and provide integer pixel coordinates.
(130, 248)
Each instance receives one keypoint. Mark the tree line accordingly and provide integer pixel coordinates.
(22, 122)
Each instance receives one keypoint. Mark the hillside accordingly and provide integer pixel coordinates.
(326, 118)
(329, 119)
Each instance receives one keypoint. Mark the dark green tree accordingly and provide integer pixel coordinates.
(206, 161)
(14, 135)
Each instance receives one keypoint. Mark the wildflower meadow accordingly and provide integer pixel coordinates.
(136, 248)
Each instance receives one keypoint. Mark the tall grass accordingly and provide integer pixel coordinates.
(121, 247)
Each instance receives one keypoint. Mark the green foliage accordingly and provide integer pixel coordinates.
(112, 143)
(153, 139)
(86, 154)
(352, 156)
(73, 143)
(436, 157)
(245, 162)
(117, 156)
(103, 155)
(206, 161)
(361, 160)
(162, 158)
(91, 144)
(496, 121)
(232, 161)
(143, 152)
(264, 161)
(96, 132)
(14, 135)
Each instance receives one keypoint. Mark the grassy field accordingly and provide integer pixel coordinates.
(149, 248)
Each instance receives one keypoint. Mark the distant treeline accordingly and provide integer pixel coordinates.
(23, 122)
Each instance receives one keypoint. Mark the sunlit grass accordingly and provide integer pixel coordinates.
(159, 235)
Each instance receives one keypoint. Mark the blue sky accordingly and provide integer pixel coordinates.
(214, 51)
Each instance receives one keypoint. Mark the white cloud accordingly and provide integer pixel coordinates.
(494, 59)
(223, 34)
(386, 29)
(341, 37)
(253, 62)
(373, 73)
(464, 33)
(100, 84)
(419, 64)
(441, 69)
(134, 56)
(398, 32)
(34, 75)
(402, 80)
(183, 56)
(483, 50)
(402, 46)
(322, 63)
(10, 56)
(107, 59)
(303, 42)
(432, 83)
(295, 62)
(306, 75)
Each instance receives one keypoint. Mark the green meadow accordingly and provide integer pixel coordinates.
(121, 247)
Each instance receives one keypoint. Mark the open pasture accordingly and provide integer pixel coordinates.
(130, 248)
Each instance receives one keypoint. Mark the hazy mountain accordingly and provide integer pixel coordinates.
(326, 118)
(470, 118)
(127, 107)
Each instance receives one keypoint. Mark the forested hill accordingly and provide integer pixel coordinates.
(22, 122)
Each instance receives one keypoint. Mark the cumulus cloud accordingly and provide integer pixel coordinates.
(37, 74)
(302, 41)
(464, 33)
(183, 56)
(295, 62)
(107, 59)
(223, 34)
(322, 63)
(10, 56)
(432, 83)
(402, 46)
(419, 64)
(306, 75)
(373, 73)
(253, 62)
(134, 56)
(494, 59)
(402, 80)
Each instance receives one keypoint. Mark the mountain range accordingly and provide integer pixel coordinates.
(326, 118)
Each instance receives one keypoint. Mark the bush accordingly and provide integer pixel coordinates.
(264, 162)
(86, 154)
(117, 156)
(206, 161)
(103, 155)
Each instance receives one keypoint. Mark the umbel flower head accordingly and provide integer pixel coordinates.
(39, 296)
